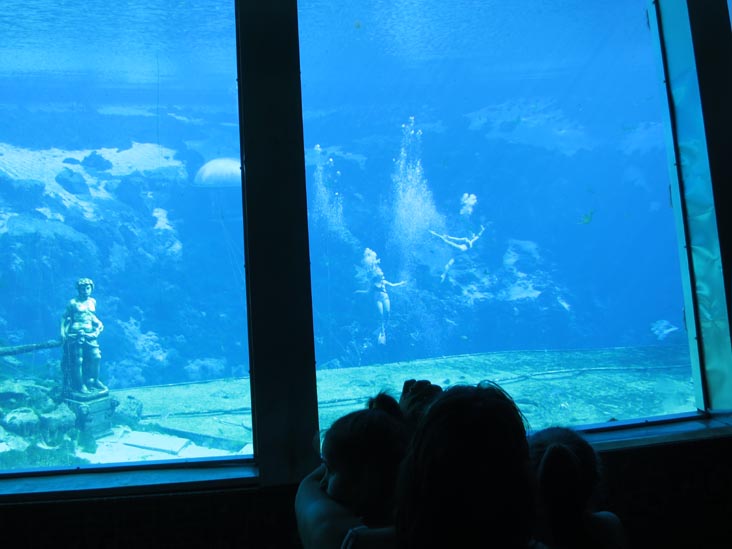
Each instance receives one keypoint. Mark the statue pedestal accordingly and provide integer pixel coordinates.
(93, 412)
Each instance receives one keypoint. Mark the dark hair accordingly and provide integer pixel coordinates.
(466, 479)
(568, 472)
(370, 444)
(386, 403)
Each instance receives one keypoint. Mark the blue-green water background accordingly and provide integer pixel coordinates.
(551, 114)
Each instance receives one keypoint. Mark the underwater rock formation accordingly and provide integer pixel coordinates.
(21, 192)
(29, 414)
(96, 161)
(128, 411)
(55, 424)
(22, 421)
(72, 181)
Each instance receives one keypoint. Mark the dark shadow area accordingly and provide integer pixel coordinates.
(671, 495)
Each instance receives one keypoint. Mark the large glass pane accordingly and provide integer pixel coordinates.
(120, 163)
(489, 198)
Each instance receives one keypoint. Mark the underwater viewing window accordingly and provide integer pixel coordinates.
(492, 198)
(123, 327)
(455, 193)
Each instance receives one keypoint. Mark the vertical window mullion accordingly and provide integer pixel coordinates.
(282, 358)
(696, 43)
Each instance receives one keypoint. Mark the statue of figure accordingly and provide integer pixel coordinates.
(80, 329)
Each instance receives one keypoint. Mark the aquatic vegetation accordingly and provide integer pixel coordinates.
(125, 373)
(206, 368)
(586, 218)
(147, 344)
(146, 358)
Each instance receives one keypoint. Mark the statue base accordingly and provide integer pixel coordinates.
(93, 412)
(86, 397)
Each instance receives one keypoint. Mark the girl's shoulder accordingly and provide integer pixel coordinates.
(362, 537)
(607, 530)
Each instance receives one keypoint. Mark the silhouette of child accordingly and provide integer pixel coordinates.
(568, 473)
(416, 397)
(466, 480)
(354, 487)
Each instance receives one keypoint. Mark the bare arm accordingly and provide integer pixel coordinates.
(368, 538)
(66, 321)
(321, 522)
(98, 326)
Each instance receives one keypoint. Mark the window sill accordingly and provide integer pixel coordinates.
(126, 482)
(669, 430)
(199, 476)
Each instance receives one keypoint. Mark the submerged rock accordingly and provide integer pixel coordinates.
(25, 393)
(23, 421)
(24, 194)
(56, 424)
(72, 181)
(60, 419)
(13, 394)
(128, 411)
(96, 161)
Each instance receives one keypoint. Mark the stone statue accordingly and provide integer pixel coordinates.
(80, 329)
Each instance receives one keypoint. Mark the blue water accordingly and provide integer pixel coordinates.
(551, 116)
(151, 88)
